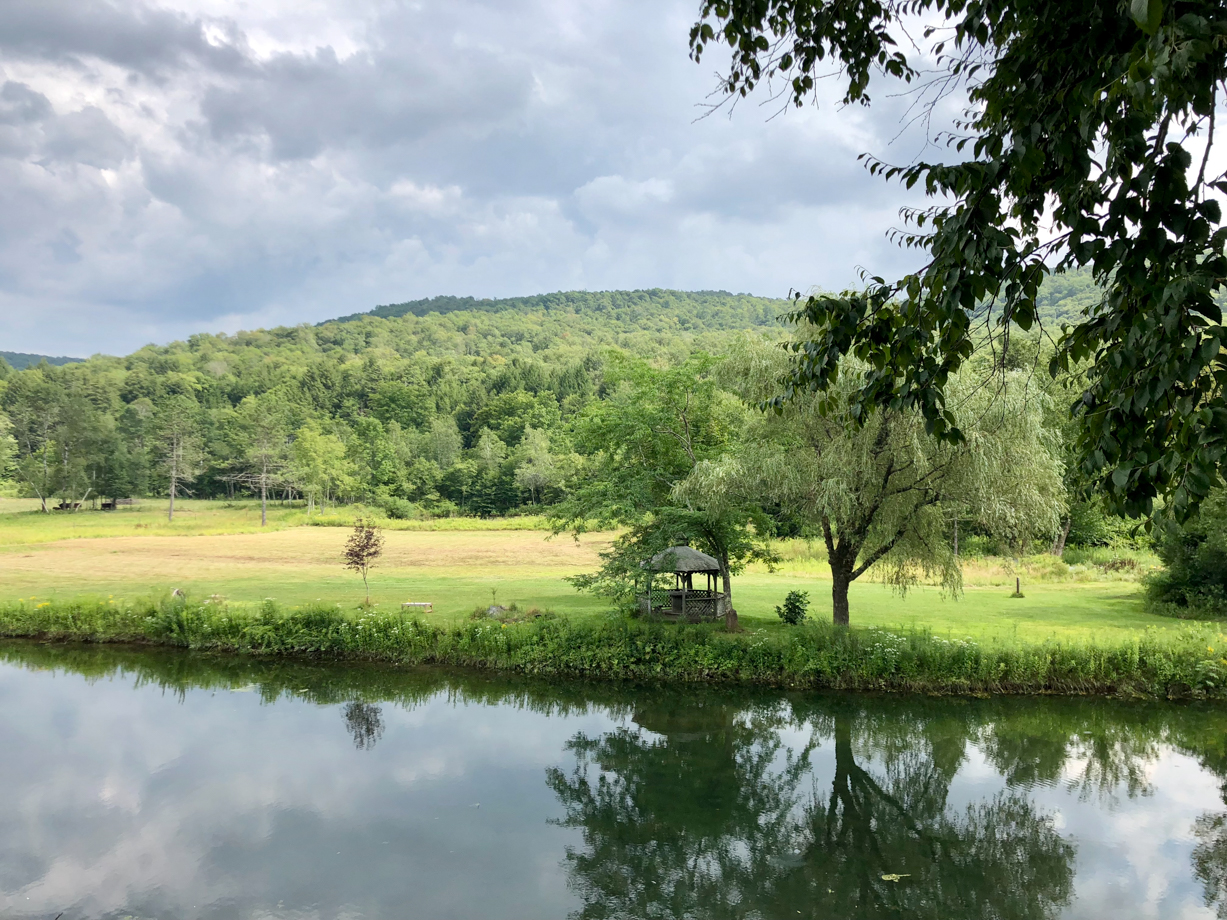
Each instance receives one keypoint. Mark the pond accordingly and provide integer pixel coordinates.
(157, 784)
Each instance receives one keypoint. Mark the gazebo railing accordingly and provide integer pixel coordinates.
(693, 605)
(701, 605)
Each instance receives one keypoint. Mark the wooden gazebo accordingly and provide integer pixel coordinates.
(683, 600)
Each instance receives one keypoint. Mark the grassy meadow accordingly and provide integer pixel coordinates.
(219, 548)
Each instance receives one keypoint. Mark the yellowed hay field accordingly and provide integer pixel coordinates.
(454, 569)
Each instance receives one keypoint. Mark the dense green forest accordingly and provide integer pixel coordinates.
(453, 410)
(448, 405)
(652, 309)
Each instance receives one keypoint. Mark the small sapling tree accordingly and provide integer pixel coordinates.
(364, 546)
(795, 609)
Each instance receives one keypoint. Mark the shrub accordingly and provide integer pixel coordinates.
(398, 509)
(1195, 582)
(795, 609)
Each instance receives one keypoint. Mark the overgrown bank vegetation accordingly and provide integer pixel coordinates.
(1187, 662)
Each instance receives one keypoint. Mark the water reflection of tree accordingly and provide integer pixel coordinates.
(1090, 748)
(707, 814)
(365, 724)
(1210, 829)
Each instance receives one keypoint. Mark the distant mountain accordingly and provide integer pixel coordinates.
(696, 311)
(1062, 299)
(18, 360)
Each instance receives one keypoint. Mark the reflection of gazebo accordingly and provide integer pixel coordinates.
(683, 600)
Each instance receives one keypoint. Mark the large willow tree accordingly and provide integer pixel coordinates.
(880, 489)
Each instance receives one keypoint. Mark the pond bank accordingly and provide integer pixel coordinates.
(1190, 663)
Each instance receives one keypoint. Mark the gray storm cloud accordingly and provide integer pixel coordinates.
(206, 166)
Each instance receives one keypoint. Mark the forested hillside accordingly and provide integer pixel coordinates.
(442, 406)
(652, 309)
(450, 410)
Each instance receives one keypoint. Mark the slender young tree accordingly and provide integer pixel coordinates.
(319, 465)
(265, 435)
(536, 471)
(177, 445)
(362, 549)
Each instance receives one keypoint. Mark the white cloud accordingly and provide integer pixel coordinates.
(205, 164)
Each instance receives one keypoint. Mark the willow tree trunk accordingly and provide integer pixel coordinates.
(841, 556)
(841, 578)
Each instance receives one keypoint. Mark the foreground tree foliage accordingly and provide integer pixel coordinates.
(1086, 142)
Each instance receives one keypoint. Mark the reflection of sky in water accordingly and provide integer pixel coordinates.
(217, 805)
(120, 800)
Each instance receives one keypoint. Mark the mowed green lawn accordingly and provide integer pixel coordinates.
(214, 549)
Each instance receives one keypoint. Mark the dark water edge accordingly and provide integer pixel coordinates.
(150, 782)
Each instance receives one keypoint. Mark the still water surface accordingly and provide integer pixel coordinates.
(154, 784)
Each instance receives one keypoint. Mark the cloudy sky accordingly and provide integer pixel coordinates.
(210, 165)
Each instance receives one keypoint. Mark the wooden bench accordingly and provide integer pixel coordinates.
(425, 605)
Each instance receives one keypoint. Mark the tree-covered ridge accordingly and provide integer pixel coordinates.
(462, 411)
(20, 360)
(655, 308)
(404, 401)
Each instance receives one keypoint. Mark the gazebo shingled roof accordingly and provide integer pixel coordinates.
(685, 560)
